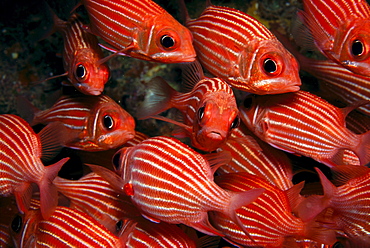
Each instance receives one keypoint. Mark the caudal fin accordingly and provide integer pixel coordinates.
(157, 98)
(48, 191)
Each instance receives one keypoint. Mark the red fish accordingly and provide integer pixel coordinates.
(250, 154)
(269, 219)
(340, 29)
(140, 29)
(304, 124)
(66, 227)
(209, 109)
(347, 206)
(82, 57)
(5, 239)
(158, 235)
(239, 49)
(168, 181)
(21, 165)
(94, 195)
(93, 123)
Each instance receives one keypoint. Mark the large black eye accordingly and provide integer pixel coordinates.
(235, 123)
(338, 245)
(17, 224)
(119, 225)
(248, 102)
(80, 71)
(269, 66)
(108, 122)
(115, 160)
(200, 113)
(167, 41)
(357, 48)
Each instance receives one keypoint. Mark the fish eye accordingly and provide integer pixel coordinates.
(235, 123)
(248, 102)
(167, 41)
(338, 245)
(200, 113)
(80, 71)
(17, 224)
(108, 122)
(357, 48)
(115, 160)
(269, 66)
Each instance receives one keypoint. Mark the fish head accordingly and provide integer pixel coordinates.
(216, 117)
(87, 73)
(23, 228)
(167, 41)
(273, 70)
(351, 46)
(110, 126)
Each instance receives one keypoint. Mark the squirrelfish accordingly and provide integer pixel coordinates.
(66, 227)
(209, 109)
(238, 48)
(140, 29)
(5, 239)
(168, 181)
(346, 207)
(21, 165)
(250, 154)
(304, 124)
(269, 219)
(93, 122)
(340, 29)
(82, 56)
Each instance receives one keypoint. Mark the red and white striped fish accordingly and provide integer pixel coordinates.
(168, 181)
(82, 56)
(5, 239)
(93, 123)
(239, 49)
(340, 29)
(140, 29)
(346, 207)
(250, 154)
(269, 219)
(209, 110)
(21, 165)
(158, 235)
(93, 195)
(304, 124)
(66, 227)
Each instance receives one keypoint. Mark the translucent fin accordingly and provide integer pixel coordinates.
(23, 195)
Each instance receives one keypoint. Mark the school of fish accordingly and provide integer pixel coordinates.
(259, 155)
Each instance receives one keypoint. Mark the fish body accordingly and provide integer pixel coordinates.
(268, 220)
(239, 49)
(94, 195)
(66, 227)
(140, 29)
(345, 207)
(250, 154)
(82, 57)
(159, 235)
(170, 182)
(341, 31)
(21, 165)
(209, 109)
(5, 239)
(93, 123)
(304, 124)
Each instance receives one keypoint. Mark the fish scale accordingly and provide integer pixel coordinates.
(242, 64)
(305, 124)
(135, 28)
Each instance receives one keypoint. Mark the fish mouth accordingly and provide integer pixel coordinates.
(216, 136)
